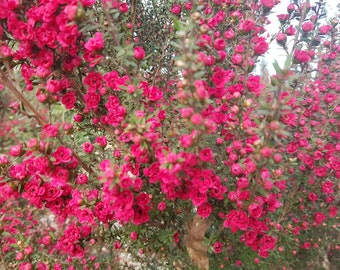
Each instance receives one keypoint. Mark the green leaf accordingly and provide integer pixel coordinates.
(121, 52)
(20, 188)
(28, 240)
(177, 25)
(277, 67)
(263, 112)
(289, 61)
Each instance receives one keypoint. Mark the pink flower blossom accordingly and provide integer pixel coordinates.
(319, 218)
(308, 26)
(290, 31)
(327, 187)
(96, 43)
(88, 147)
(236, 220)
(161, 206)
(204, 210)
(325, 29)
(267, 3)
(186, 141)
(69, 99)
(16, 150)
(176, 9)
(92, 100)
(247, 25)
(254, 84)
(62, 155)
(218, 247)
(82, 179)
(139, 53)
(236, 169)
(206, 155)
(123, 7)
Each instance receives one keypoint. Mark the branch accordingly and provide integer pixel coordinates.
(161, 59)
(13, 89)
(3, 261)
(288, 206)
(35, 114)
(114, 34)
(133, 15)
(297, 34)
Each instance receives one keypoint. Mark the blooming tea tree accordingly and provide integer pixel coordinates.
(137, 135)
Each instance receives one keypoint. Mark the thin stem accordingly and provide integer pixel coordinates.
(42, 122)
(13, 89)
(288, 206)
(161, 59)
(114, 34)
(3, 263)
(133, 15)
(82, 163)
(297, 34)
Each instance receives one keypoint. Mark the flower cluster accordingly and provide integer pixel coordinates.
(169, 144)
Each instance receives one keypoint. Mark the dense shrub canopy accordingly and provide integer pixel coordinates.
(138, 134)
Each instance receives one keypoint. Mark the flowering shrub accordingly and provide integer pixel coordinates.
(141, 128)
